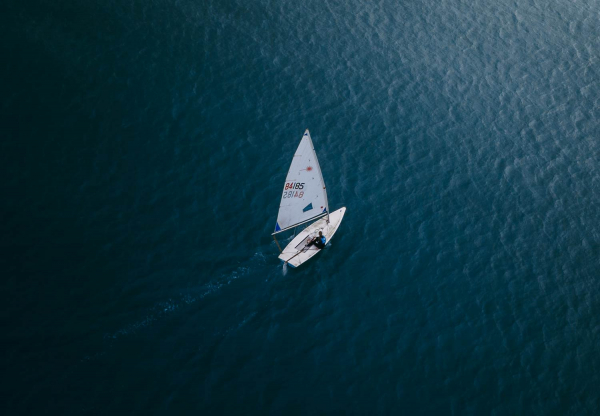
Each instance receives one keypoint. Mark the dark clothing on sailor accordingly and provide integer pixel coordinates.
(318, 241)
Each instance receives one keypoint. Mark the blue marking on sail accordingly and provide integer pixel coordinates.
(308, 207)
(325, 209)
(277, 227)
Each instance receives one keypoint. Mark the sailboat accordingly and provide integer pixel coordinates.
(304, 200)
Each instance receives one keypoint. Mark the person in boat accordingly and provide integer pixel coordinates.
(319, 241)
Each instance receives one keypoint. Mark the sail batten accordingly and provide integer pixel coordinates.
(304, 196)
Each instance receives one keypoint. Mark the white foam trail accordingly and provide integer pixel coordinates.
(285, 268)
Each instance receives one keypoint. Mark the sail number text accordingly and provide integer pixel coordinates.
(293, 185)
(291, 190)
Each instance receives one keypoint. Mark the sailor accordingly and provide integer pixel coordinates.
(318, 241)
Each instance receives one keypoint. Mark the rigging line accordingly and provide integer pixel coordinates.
(278, 246)
(304, 249)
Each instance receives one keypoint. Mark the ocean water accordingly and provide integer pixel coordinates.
(144, 147)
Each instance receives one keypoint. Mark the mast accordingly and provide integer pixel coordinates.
(321, 175)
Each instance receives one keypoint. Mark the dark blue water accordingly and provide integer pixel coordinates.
(144, 146)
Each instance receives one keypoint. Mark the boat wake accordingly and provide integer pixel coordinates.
(171, 305)
(239, 325)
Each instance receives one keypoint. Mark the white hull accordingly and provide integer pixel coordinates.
(296, 252)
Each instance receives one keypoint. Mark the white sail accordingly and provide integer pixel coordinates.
(304, 196)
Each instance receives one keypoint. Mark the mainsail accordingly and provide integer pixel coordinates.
(304, 196)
